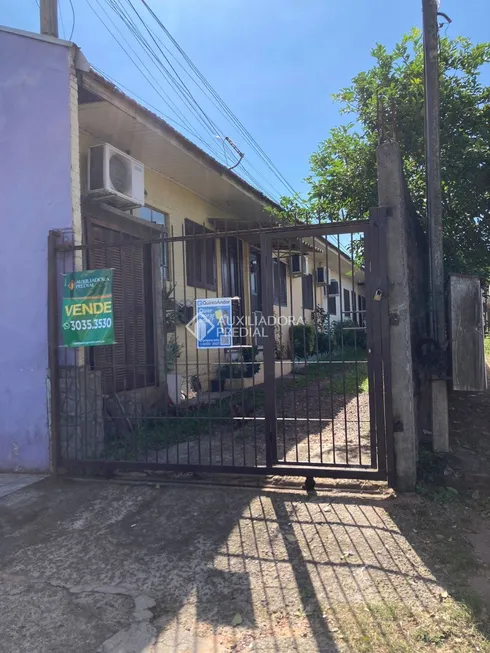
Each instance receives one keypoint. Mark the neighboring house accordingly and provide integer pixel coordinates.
(55, 108)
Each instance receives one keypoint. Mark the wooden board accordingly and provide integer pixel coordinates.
(466, 322)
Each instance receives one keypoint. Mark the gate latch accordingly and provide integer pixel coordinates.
(378, 294)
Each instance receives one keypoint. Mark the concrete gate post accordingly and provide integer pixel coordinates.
(391, 193)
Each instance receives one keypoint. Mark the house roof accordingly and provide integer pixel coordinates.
(160, 146)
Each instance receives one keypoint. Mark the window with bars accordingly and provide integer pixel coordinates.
(307, 289)
(200, 257)
(280, 283)
(332, 305)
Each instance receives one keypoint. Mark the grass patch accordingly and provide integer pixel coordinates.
(339, 378)
(458, 621)
(486, 345)
(394, 627)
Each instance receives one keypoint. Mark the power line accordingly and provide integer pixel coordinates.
(222, 106)
(74, 20)
(177, 84)
(161, 93)
(213, 125)
(145, 102)
(159, 113)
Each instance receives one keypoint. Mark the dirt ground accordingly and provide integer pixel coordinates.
(101, 566)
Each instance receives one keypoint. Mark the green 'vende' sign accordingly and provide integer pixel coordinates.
(87, 317)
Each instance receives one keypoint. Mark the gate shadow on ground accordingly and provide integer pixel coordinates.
(234, 569)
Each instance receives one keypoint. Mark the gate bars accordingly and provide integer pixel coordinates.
(290, 403)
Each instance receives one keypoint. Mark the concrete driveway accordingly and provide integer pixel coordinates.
(88, 566)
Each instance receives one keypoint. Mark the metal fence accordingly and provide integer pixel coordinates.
(301, 388)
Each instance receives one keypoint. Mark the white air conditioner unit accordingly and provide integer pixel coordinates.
(321, 276)
(115, 177)
(299, 265)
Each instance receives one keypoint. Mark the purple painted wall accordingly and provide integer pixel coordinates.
(35, 196)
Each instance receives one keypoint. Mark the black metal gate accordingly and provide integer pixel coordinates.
(303, 388)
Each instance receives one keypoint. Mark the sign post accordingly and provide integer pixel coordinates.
(87, 312)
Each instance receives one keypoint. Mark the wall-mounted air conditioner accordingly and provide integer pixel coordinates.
(115, 177)
(321, 276)
(299, 265)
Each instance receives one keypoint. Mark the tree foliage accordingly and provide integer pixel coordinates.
(387, 102)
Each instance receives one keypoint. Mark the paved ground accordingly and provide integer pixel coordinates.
(12, 482)
(98, 566)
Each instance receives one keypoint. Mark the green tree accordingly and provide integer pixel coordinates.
(388, 103)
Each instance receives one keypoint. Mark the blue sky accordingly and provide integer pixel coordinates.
(276, 63)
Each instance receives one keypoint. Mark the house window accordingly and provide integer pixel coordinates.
(331, 299)
(307, 288)
(280, 283)
(362, 309)
(157, 217)
(354, 314)
(347, 315)
(200, 257)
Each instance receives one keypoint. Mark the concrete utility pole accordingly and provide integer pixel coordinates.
(440, 426)
(49, 17)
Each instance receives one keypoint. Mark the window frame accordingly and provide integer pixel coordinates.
(194, 253)
(346, 304)
(280, 283)
(305, 292)
(164, 254)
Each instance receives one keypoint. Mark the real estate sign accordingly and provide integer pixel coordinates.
(87, 312)
(213, 323)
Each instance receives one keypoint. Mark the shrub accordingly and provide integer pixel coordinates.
(349, 334)
(325, 343)
(303, 340)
